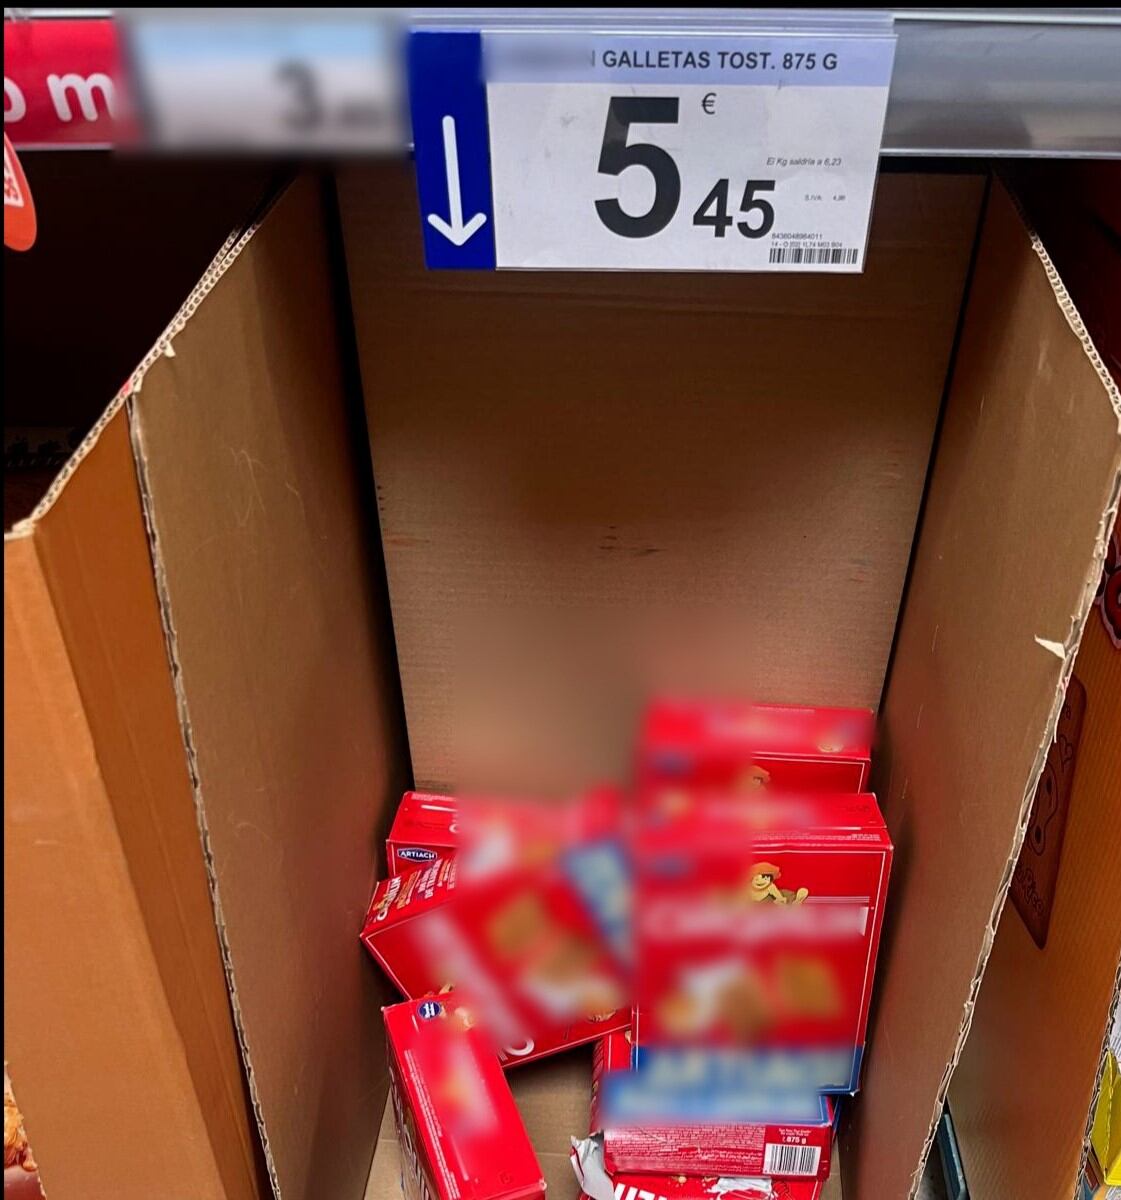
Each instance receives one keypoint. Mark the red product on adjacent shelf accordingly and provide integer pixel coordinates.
(458, 1127)
(751, 746)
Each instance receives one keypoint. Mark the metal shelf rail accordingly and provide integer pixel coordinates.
(984, 82)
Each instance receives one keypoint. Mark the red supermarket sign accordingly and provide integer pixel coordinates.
(64, 83)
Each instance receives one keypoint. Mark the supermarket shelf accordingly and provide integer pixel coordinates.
(1006, 82)
(985, 82)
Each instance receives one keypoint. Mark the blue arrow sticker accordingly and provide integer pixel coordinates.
(449, 113)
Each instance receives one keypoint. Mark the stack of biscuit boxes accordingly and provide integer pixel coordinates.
(728, 1019)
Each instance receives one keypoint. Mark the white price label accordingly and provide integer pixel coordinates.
(701, 152)
(274, 80)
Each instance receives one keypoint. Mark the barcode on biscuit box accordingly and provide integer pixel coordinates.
(814, 254)
(790, 1160)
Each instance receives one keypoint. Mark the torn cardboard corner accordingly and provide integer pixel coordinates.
(587, 1158)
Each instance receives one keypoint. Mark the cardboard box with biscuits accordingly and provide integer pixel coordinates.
(224, 621)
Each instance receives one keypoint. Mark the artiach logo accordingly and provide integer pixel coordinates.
(416, 854)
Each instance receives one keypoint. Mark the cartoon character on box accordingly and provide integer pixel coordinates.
(725, 954)
(754, 778)
(763, 889)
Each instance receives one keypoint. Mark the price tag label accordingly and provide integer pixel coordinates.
(701, 152)
(266, 81)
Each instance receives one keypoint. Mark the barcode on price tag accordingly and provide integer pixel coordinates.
(790, 1160)
(814, 254)
(668, 151)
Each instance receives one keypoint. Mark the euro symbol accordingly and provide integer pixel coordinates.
(709, 103)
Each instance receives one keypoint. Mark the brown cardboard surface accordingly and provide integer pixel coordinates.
(591, 483)
(94, 550)
(1007, 562)
(251, 472)
(94, 1046)
(1032, 1059)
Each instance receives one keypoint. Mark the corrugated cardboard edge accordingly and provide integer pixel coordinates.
(230, 247)
(1068, 651)
(164, 346)
(253, 448)
(230, 250)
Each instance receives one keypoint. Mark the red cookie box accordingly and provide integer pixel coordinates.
(633, 1186)
(757, 925)
(696, 1146)
(426, 944)
(459, 1131)
(636, 1185)
(424, 830)
(748, 746)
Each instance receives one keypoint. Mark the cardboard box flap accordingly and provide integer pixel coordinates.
(96, 1092)
(1043, 1011)
(262, 540)
(1022, 497)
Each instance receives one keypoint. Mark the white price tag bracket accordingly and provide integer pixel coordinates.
(697, 152)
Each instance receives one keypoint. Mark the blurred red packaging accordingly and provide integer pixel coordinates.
(670, 1131)
(635, 1185)
(520, 924)
(424, 830)
(756, 926)
(458, 1128)
(748, 746)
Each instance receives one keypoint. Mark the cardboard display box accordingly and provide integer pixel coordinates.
(1037, 1045)
(581, 455)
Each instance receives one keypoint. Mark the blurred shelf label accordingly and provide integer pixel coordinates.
(63, 84)
(294, 81)
(607, 151)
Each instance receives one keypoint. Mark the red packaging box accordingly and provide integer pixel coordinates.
(426, 944)
(597, 1184)
(751, 746)
(424, 830)
(788, 1136)
(629, 1185)
(757, 925)
(458, 1128)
